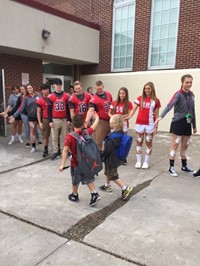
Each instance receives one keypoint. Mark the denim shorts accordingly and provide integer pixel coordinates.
(78, 178)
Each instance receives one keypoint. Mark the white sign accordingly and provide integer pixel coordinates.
(25, 78)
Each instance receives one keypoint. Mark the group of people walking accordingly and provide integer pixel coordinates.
(53, 112)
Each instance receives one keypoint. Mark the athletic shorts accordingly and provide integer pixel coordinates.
(46, 128)
(78, 178)
(181, 128)
(112, 174)
(144, 128)
(32, 119)
(18, 118)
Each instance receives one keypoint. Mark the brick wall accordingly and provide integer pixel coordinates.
(14, 66)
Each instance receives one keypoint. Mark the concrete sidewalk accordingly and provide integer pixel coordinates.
(159, 225)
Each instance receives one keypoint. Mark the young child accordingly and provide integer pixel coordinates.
(112, 162)
(70, 144)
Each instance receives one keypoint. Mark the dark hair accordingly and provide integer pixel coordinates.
(126, 100)
(44, 86)
(15, 87)
(186, 76)
(57, 81)
(88, 89)
(78, 121)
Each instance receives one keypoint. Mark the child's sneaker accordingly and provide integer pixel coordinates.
(197, 174)
(106, 188)
(126, 192)
(172, 171)
(94, 198)
(138, 165)
(73, 197)
(187, 169)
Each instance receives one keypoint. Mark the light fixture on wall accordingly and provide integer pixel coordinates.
(45, 34)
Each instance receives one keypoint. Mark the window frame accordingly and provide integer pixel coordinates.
(150, 41)
(115, 6)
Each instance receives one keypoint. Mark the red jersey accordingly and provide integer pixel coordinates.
(146, 114)
(120, 107)
(101, 103)
(71, 143)
(59, 101)
(43, 104)
(79, 103)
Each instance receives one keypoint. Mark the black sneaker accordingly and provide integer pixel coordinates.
(187, 169)
(197, 174)
(172, 171)
(28, 145)
(55, 156)
(106, 188)
(94, 198)
(45, 153)
(125, 162)
(73, 197)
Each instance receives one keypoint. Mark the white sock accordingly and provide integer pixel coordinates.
(20, 136)
(12, 138)
(107, 185)
(139, 157)
(146, 159)
(124, 187)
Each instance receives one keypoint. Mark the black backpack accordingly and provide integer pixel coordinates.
(89, 158)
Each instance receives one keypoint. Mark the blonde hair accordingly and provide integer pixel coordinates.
(117, 122)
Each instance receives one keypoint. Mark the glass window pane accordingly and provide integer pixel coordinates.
(154, 60)
(164, 31)
(124, 12)
(155, 47)
(156, 33)
(130, 24)
(117, 38)
(124, 25)
(117, 26)
(129, 62)
(131, 11)
(116, 63)
(165, 17)
(170, 59)
(174, 3)
(166, 4)
(118, 14)
(130, 37)
(122, 50)
(116, 50)
(122, 62)
(171, 44)
(162, 59)
(129, 49)
(172, 30)
(173, 16)
(163, 45)
(157, 5)
(123, 37)
(157, 19)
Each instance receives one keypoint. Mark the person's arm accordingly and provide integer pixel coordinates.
(64, 157)
(132, 112)
(90, 113)
(110, 112)
(72, 113)
(96, 121)
(17, 105)
(39, 115)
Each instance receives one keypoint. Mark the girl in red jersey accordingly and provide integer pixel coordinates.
(122, 106)
(148, 112)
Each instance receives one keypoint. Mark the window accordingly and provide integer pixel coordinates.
(123, 35)
(163, 37)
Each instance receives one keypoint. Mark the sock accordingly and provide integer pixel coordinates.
(46, 148)
(139, 157)
(146, 159)
(12, 138)
(20, 137)
(124, 187)
(184, 162)
(94, 192)
(107, 185)
(171, 163)
(33, 145)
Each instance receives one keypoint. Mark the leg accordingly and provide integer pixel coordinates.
(94, 195)
(19, 130)
(26, 128)
(139, 143)
(101, 131)
(33, 128)
(148, 141)
(183, 149)
(175, 140)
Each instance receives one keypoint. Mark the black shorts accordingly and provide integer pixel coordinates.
(18, 118)
(181, 127)
(32, 119)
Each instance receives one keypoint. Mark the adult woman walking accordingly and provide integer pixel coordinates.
(182, 123)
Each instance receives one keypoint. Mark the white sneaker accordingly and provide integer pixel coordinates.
(172, 171)
(33, 150)
(138, 165)
(145, 165)
(21, 141)
(11, 142)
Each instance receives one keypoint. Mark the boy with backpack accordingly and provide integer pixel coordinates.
(116, 149)
(86, 160)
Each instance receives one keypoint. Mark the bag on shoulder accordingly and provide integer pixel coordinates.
(124, 147)
(89, 158)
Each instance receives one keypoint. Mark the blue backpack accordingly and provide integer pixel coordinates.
(124, 147)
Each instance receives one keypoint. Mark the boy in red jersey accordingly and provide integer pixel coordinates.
(70, 144)
(100, 103)
(78, 102)
(58, 115)
(42, 116)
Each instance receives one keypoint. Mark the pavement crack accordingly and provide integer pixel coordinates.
(84, 226)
